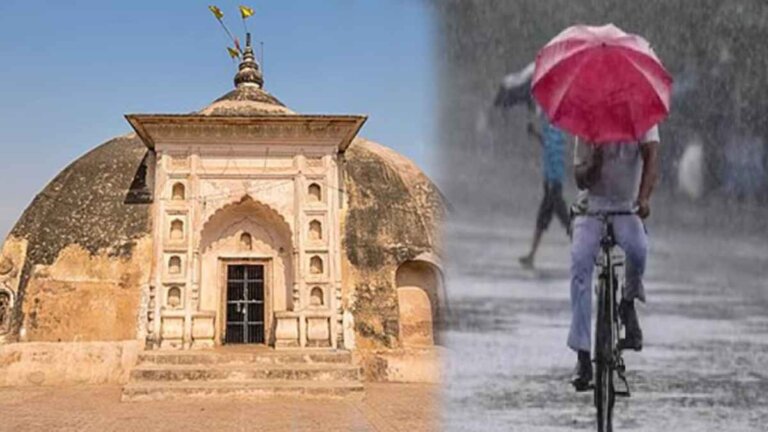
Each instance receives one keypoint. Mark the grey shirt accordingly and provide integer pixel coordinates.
(620, 175)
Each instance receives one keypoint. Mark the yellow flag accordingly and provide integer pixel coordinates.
(233, 52)
(216, 12)
(245, 11)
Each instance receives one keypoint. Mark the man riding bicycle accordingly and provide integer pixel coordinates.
(612, 177)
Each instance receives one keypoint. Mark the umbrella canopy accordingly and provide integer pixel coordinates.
(601, 84)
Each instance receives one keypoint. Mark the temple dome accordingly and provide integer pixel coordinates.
(246, 100)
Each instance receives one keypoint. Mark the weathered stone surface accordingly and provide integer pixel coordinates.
(246, 101)
(84, 297)
(394, 209)
(87, 209)
(415, 365)
(243, 372)
(88, 205)
(41, 363)
(394, 216)
(12, 253)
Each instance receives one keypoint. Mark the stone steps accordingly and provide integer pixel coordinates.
(230, 372)
(243, 373)
(266, 357)
(135, 392)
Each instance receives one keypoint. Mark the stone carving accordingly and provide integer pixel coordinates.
(315, 162)
(274, 130)
(174, 265)
(6, 308)
(6, 266)
(7, 273)
(178, 192)
(177, 230)
(246, 242)
(179, 162)
(315, 230)
(174, 297)
(316, 265)
(316, 297)
(315, 193)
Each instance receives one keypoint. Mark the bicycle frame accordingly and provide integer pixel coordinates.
(607, 355)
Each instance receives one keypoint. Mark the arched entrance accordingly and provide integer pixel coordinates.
(419, 303)
(246, 271)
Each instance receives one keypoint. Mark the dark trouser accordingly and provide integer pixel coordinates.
(552, 204)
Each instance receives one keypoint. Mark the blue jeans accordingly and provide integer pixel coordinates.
(587, 231)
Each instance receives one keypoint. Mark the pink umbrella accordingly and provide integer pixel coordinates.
(601, 84)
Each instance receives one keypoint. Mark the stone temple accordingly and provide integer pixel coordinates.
(244, 237)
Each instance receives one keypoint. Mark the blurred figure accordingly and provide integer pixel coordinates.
(690, 173)
(516, 89)
(552, 142)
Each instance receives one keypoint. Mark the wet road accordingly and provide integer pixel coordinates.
(704, 366)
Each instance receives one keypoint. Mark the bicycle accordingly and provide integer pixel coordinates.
(608, 359)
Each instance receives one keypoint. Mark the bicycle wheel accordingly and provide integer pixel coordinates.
(604, 394)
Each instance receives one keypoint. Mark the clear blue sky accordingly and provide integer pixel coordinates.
(69, 70)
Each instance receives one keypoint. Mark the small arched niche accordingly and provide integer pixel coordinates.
(246, 241)
(174, 265)
(6, 307)
(315, 230)
(316, 265)
(177, 229)
(316, 297)
(315, 192)
(178, 192)
(418, 285)
(174, 297)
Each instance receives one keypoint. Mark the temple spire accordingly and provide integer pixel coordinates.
(249, 73)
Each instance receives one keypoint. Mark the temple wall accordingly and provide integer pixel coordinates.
(84, 297)
(47, 363)
(391, 219)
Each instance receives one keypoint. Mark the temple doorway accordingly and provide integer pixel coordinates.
(245, 319)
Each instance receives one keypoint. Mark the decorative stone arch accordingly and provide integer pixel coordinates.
(270, 243)
(421, 301)
(246, 199)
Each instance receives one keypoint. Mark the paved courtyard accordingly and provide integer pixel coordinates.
(385, 408)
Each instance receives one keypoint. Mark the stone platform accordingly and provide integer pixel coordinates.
(243, 372)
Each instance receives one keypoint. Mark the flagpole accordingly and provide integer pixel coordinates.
(232, 38)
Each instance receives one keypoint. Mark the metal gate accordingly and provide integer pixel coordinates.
(245, 304)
